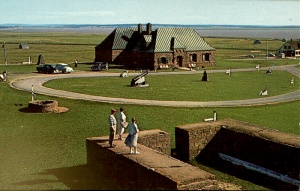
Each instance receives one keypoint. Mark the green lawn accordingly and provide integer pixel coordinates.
(238, 86)
(47, 151)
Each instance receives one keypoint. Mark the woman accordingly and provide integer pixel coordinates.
(122, 124)
(131, 139)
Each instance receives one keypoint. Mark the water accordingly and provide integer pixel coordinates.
(234, 32)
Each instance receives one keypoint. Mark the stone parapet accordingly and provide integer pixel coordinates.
(156, 139)
(150, 170)
(268, 155)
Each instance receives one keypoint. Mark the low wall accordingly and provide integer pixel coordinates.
(266, 156)
(150, 170)
(157, 140)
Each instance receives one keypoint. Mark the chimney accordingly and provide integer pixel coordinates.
(140, 28)
(149, 28)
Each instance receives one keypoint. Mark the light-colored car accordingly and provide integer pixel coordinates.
(63, 68)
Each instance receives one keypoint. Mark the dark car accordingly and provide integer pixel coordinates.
(46, 68)
(99, 66)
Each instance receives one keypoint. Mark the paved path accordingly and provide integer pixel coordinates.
(38, 80)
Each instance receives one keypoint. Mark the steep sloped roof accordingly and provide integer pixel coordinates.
(294, 44)
(184, 38)
(121, 34)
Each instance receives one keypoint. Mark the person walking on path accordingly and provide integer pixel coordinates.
(122, 123)
(112, 127)
(132, 138)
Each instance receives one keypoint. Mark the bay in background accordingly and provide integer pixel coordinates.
(232, 31)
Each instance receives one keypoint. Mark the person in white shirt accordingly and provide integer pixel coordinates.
(122, 123)
(112, 127)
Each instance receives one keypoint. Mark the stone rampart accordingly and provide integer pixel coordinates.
(267, 156)
(150, 170)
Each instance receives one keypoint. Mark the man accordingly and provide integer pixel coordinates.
(112, 126)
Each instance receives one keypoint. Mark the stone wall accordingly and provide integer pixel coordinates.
(272, 156)
(150, 170)
(157, 140)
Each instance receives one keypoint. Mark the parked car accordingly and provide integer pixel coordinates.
(63, 68)
(250, 56)
(46, 68)
(99, 66)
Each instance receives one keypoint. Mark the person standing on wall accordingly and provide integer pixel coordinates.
(132, 138)
(122, 123)
(112, 127)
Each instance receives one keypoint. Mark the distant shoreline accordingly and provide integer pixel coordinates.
(232, 32)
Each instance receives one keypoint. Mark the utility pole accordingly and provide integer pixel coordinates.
(4, 47)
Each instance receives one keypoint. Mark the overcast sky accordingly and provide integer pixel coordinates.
(236, 12)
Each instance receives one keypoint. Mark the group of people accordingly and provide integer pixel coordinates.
(118, 126)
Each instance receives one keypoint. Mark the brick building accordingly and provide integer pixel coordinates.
(162, 48)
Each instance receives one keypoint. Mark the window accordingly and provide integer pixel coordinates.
(163, 60)
(193, 57)
(206, 57)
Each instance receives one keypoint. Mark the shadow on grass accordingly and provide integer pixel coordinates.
(75, 178)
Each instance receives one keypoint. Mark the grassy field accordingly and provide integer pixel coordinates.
(247, 85)
(47, 151)
(55, 47)
(68, 47)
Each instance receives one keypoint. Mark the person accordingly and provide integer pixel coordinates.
(132, 138)
(4, 75)
(76, 63)
(205, 78)
(106, 66)
(122, 123)
(124, 74)
(269, 71)
(112, 127)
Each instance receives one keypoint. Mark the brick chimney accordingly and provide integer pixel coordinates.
(149, 28)
(140, 28)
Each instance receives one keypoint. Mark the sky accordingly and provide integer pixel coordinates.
(185, 12)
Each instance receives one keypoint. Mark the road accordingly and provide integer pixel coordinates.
(26, 83)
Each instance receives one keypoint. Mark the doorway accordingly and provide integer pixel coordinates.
(179, 60)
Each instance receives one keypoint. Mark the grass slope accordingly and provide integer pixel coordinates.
(47, 151)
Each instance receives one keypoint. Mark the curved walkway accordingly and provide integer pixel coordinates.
(26, 84)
